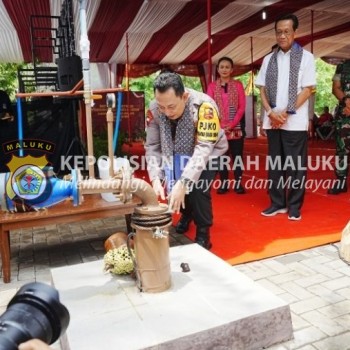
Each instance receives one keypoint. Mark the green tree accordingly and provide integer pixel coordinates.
(324, 96)
(145, 84)
(9, 78)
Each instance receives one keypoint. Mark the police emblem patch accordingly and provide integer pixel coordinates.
(208, 126)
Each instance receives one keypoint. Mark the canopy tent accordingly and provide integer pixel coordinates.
(149, 33)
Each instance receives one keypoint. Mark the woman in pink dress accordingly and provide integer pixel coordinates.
(229, 95)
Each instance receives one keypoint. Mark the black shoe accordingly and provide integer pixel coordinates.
(339, 187)
(222, 190)
(336, 190)
(272, 211)
(203, 237)
(183, 224)
(239, 189)
(205, 243)
(294, 215)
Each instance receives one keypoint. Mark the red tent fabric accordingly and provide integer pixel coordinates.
(164, 32)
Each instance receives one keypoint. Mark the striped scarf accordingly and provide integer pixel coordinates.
(184, 141)
(296, 54)
(232, 99)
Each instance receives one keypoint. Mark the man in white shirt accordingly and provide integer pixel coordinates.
(286, 80)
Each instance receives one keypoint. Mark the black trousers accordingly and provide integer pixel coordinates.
(235, 150)
(287, 163)
(198, 204)
(342, 146)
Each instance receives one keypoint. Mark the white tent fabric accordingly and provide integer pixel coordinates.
(175, 31)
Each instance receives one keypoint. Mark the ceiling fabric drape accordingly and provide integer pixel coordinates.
(164, 32)
(19, 13)
(11, 49)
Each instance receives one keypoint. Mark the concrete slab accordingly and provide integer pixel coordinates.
(214, 306)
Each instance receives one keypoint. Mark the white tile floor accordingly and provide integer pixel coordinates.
(315, 282)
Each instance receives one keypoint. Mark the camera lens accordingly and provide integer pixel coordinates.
(34, 312)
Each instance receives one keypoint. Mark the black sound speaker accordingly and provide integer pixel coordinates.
(69, 70)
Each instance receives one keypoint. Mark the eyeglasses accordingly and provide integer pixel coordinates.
(286, 33)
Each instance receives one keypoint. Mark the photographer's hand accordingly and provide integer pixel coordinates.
(34, 344)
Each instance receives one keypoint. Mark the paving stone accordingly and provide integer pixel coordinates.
(301, 269)
(335, 310)
(290, 258)
(339, 342)
(317, 260)
(26, 274)
(294, 289)
(43, 275)
(344, 270)
(307, 347)
(77, 229)
(343, 320)
(326, 294)
(345, 292)
(275, 289)
(289, 298)
(338, 283)
(321, 268)
(311, 280)
(306, 305)
(329, 250)
(336, 264)
(286, 277)
(276, 266)
(307, 336)
(299, 322)
(324, 323)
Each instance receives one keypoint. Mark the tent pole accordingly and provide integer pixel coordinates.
(312, 31)
(85, 49)
(127, 74)
(209, 41)
(252, 79)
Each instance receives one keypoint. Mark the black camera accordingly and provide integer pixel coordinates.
(34, 312)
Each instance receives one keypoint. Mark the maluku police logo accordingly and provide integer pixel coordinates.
(27, 182)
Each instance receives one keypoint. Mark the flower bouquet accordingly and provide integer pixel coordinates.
(117, 259)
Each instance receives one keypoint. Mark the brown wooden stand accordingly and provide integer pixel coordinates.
(93, 207)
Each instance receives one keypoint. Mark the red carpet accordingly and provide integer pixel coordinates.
(241, 234)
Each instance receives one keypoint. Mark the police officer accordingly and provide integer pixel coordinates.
(183, 139)
(341, 90)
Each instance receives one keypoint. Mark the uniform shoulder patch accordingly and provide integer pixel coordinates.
(208, 125)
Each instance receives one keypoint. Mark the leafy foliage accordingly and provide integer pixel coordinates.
(146, 84)
(8, 78)
(324, 97)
